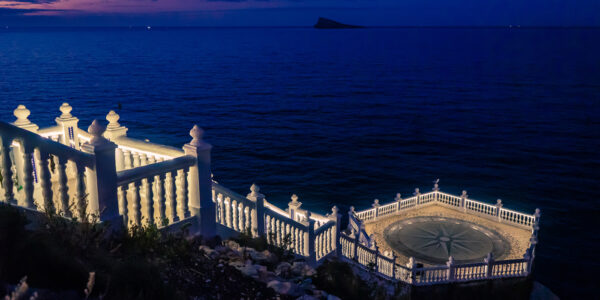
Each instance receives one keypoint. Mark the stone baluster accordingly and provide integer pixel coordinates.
(63, 189)
(228, 212)
(234, 215)
(135, 159)
(450, 271)
(148, 201)
(80, 193)
(258, 222)
(498, 208)
(200, 188)
(136, 214)
(102, 176)
(394, 258)
(375, 248)
(241, 216)
(171, 194)
(122, 194)
(143, 159)
(27, 151)
(182, 194)
(5, 167)
(293, 207)
(160, 195)
(120, 159)
(127, 161)
(46, 183)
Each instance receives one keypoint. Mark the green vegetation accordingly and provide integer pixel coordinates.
(58, 255)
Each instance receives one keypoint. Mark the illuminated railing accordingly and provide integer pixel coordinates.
(101, 171)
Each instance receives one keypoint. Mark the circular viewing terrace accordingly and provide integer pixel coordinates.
(434, 231)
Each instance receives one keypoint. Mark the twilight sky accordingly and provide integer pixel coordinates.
(299, 12)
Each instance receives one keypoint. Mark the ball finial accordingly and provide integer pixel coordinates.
(112, 117)
(254, 188)
(196, 133)
(65, 109)
(295, 198)
(21, 112)
(96, 130)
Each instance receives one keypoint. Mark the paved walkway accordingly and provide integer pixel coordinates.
(518, 238)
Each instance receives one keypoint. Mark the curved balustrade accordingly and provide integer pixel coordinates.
(38, 173)
(155, 193)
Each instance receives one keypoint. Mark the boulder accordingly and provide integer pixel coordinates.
(283, 269)
(283, 287)
(232, 245)
(302, 269)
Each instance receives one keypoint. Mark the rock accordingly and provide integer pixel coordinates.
(283, 287)
(249, 270)
(332, 297)
(209, 252)
(232, 245)
(283, 269)
(302, 269)
(307, 297)
(261, 257)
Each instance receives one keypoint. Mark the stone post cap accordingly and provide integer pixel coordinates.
(489, 258)
(464, 194)
(96, 130)
(398, 197)
(22, 114)
(376, 203)
(294, 198)
(65, 110)
(450, 261)
(436, 186)
(537, 213)
(417, 192)
(334, 210)
(499, 202)
(254, 192)
(196, 133)
(112, 117)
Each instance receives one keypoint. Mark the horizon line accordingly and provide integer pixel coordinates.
(306, 26)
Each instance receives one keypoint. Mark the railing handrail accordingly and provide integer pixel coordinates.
(139, 173)
(36, 141)
(324, 227)
(287, 220)
(165, 151)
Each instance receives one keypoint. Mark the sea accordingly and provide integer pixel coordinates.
(343, 117)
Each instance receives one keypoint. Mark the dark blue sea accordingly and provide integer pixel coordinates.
(346, 116)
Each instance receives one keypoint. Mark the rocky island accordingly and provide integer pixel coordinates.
(324, 23)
